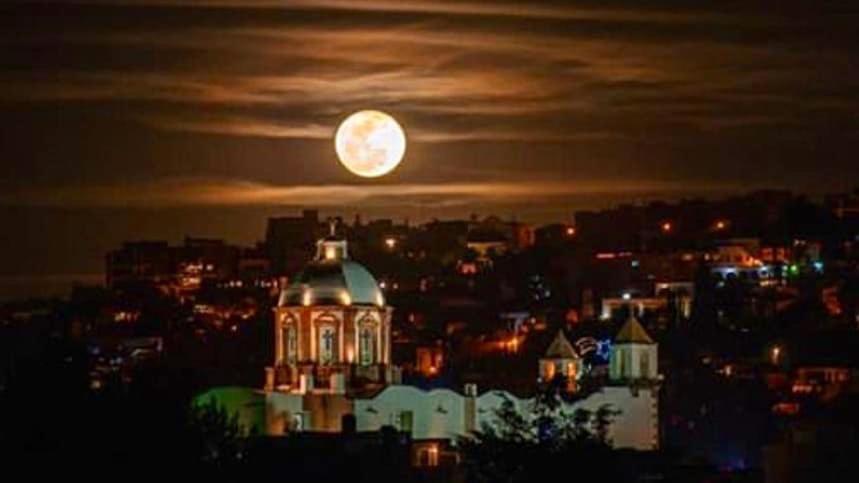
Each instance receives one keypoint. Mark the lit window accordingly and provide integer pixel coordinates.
(326, 344)
(291, 344)
(428, 457)
(365, 350)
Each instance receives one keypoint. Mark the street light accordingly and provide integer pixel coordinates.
(775, 355)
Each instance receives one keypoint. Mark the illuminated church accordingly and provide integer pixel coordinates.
(332, 328)
(332, 363)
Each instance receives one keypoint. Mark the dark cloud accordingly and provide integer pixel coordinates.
(119, 103)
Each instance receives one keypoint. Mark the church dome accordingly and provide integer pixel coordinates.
(333, 279)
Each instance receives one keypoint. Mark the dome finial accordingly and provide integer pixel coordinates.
(332, 226)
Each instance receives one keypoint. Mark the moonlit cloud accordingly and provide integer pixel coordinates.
(616, 68)
(529, 109)
(239, 126)
(209, 192)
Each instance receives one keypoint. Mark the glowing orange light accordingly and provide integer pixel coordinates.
(667, 227)
(775, 355)
(571, 231)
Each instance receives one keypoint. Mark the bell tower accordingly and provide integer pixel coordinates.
(634, 355)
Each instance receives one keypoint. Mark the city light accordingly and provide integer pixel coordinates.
(624, 240)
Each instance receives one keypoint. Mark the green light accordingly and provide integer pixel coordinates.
(247, 403)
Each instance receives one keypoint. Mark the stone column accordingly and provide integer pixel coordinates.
(278, 337)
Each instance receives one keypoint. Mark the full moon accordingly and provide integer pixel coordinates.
(370, 143)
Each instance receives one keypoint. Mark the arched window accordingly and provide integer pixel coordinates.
(291, 344)
(366, 348)
(327, 336)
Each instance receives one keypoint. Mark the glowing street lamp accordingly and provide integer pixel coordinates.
(571, 231)
(391, 243)
(666, 227)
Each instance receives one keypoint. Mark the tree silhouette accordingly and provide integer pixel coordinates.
(545, 439)
(215, 435)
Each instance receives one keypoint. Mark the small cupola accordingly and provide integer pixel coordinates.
(331, 248)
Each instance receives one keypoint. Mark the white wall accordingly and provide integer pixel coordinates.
(281, 407)
(435, 414)
(631, 355)
(635, 427)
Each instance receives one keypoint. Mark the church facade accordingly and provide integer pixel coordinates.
(332, 359)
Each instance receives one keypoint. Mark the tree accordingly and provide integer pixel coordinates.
(216, 436)
(545, 440)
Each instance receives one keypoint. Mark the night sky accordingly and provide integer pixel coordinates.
(150, 119)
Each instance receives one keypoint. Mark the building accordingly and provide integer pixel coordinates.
(682, 305)
(289, 240)
(142, 261)
(685, 224)
(492, 237)
(332, 327)
(332, 364)
(184, 269)
(634, 356)
(561, 360)
(429, 360)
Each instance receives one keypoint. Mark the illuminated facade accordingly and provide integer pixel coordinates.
(333, 362)
(561, 360)
(332, 328)
(634, 355)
